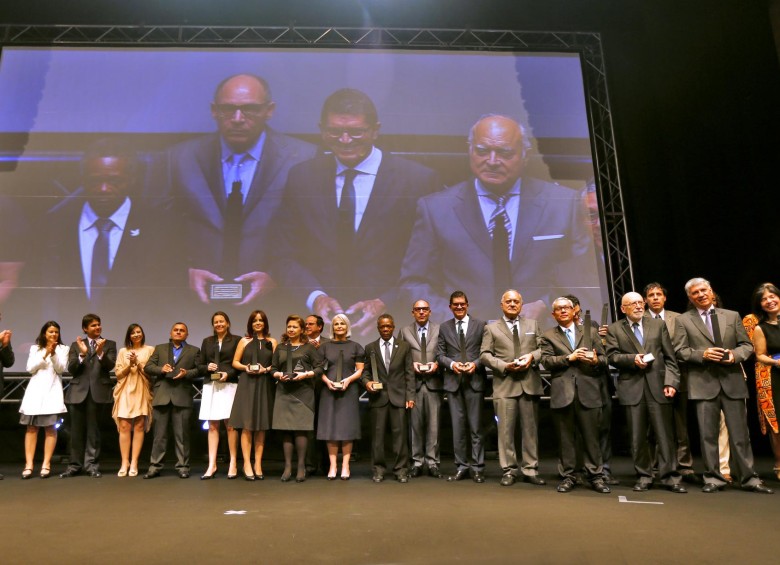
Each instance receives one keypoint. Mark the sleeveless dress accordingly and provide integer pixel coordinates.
(254, 402)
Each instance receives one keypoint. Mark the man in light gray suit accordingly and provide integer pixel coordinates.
(641, 349)
(227, 186)
(510, 347)
(423, 335)
(713, 342)
(655, 296)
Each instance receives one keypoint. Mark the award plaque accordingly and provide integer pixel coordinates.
(253, 367)
(226, 291)
(587, 341)
(425, 367)
(648, 358)
(215, 376)
(337, 384)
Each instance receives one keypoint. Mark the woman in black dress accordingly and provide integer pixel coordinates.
(766, 343)
(339, 414)
(253, 406)
(295, 365)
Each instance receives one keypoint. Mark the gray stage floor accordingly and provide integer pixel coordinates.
(170, 520)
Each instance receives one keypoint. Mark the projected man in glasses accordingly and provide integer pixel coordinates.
(500, 229)
(358, 206)
(227, 186)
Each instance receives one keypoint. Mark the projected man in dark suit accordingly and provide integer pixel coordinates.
(499, 230)
(576, 363)
(346, 218)
(90, 360)
(460, 339)
(510, 347)
(641, 349)
(712, 342)
(173, 366)
(389, 363)
(227, 186)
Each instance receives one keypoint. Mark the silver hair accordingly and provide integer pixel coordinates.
(526, 140)
(694, 281)
(562, 299)
(345, 319)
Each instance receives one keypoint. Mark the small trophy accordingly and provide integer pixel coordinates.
(375, 384)
(587, 341)
(215, 376)
(425, 367)
(337, 384)
(254, 366)
(289, 373)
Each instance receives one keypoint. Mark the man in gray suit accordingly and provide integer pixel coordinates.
(712, 342)
(500, 229)
(173, 365)
(90, 361)
(422, 335)
(655, 296)
(227, 186)
(641, 349)
(460, 339)
(510, 347)
(576, 362)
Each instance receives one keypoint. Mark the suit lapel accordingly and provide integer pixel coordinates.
(565, 340)
(530, 216)
(699, 323)
(271, 162)
(632, 338)
(469, 213)
(381, 200)
(208, 160)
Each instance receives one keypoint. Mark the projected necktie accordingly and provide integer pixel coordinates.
(233, 221)
(100, 260)
(346, 226)
(500, 230)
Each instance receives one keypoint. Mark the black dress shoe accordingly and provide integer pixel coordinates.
(378, 478)
(599, 486)
(760, 488)
(95, 474)
(641, 486)
(711, 487)
(152, 474)
(692, 478)
(566, 485)
(534, 480)
(677, 488)
(479, 477)
(403, 478)
(69, 473)
(508, 480)
(184, 474)
(461, 475)
(434, 472)
(415, 472)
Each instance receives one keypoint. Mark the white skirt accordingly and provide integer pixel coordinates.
(217, 400)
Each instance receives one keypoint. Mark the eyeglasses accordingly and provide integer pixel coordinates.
(635, 303)
(421, 309)
(352, 133)
(501, 153)
(247, 110)
(458, 306)
(562, 308)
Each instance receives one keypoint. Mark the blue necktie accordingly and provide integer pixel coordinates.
(638, 333)
(570, 335)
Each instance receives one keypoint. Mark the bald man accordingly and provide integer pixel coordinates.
(500, 229)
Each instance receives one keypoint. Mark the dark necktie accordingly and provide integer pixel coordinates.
(461, 342)
(500, 230)
(516, 340)
(100, 266)
(716, 337)
(346, 225)
(638, 333)
(234, 211)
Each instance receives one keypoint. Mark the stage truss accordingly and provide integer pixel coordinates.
(586, 44)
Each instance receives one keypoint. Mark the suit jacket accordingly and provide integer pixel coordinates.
(622, 349)
(93, 374)
(398, 381)
(498, 351)
(448, 351)
(706, 379)
(7, 359)
(197, 193)
(309, 215)
(451, 249)
(209, 351)
(575, 378)
(410, 335)
(165, 388)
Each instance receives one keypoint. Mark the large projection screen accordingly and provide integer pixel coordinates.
(55, 102)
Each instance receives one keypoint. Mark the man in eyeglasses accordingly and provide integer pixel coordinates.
(501, 229)
(358, 205)
(227, 186)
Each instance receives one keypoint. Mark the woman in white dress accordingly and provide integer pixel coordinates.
(43, 400)
(220, 380)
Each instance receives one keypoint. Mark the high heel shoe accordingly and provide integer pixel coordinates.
(132, 472)
(27, 473)
(286, 476)
(300, 477)
(248, 476)
(344, 475)
(45, 472)
(206, 476)
(776, 470)
(121, 473)
(332, 475)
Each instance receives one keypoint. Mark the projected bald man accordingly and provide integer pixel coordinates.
(499, 229)
(227, 186)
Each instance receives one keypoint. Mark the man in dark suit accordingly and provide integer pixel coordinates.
(655, 296)
(423, 335)
(460, 339)
(712, 342)
(346, 218)
(7, 357)
(389, 379)
(173, 366)
(90, 361)
(227, 186)
(510, 347)
(500, 230)
(641, 349)
(576, 362)
(313, 326)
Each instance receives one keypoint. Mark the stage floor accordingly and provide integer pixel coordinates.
(170, 520)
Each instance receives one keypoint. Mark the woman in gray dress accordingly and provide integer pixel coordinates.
(295, 365)
(339, 415)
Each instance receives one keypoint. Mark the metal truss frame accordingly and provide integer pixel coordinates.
(586, 44)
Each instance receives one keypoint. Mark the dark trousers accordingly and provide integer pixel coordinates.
(509, 411)
(425, 417)
(577, 418)
(466, 406)
(605, 423)
(398, 430)
(84, 435)
(179, 419)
